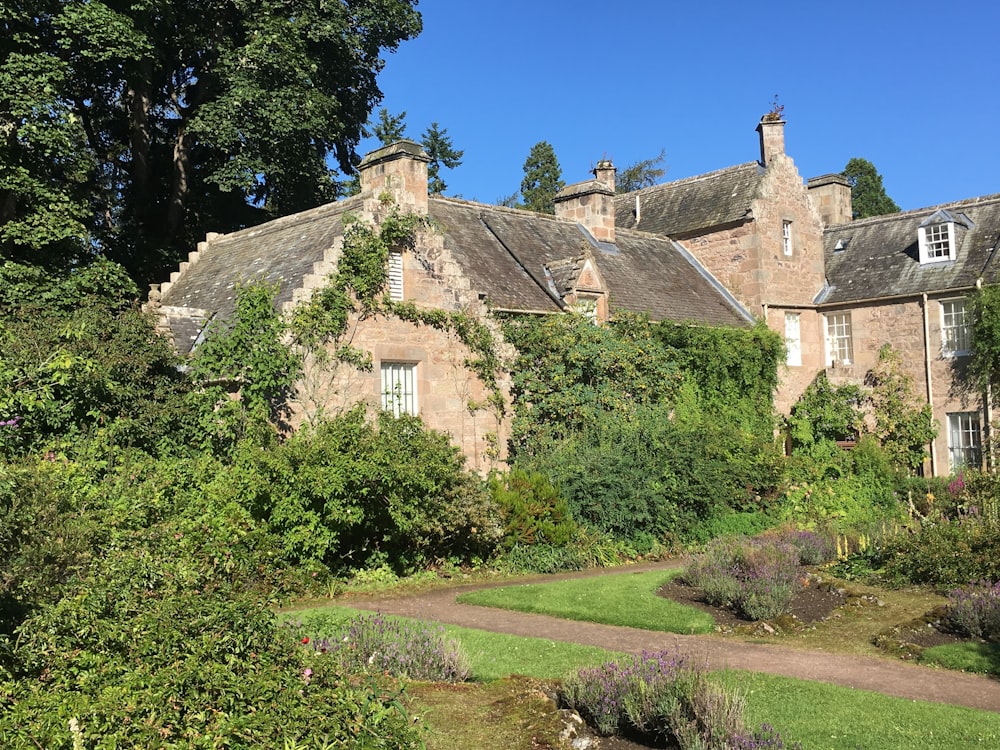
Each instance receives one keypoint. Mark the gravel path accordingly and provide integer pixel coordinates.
(883, 675)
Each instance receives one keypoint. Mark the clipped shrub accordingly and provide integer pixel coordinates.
(404, 648)
(975, 610)
(755, 577)
(736, 523)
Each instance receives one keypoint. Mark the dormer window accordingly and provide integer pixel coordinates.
(938, 236)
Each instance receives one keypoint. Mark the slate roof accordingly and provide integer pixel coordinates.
(516, 259)
(688, 207)
(280, 252)
(519, 259)
(880, 256)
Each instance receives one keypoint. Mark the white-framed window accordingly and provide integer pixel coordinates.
(937, 242)
(964, 439)
(793, 339)
(839, 347)
(399, 387)
(954, 328)
(396, 276)
(786, 237)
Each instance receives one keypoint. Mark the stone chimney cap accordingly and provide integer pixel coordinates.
(396, 150)
(827, 179)
(583, 188)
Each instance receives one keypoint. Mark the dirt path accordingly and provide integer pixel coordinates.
(887, 676)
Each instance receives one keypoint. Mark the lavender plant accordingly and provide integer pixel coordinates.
(755, 577)
(663, 697)
(813, 548)
(405, 648)
(975, 610)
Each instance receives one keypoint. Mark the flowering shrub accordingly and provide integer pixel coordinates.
(975, 610)
(661, 696)
(405, 648)
(813, 548)
(755, 577)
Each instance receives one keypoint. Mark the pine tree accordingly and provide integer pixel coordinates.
(868, 196)
(542, 179)
(389, 128)
(640, 174)
(442, 153)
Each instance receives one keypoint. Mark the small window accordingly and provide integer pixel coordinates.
(954, 328)
(839, 348)
(936, 238)
(786, 237)
(399, 387)
(964, 440)
(793, 340)
(396, 276)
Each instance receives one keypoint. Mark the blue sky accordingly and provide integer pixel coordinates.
(914, 87)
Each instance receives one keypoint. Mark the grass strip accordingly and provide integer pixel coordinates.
(820, 716)
(627, 599)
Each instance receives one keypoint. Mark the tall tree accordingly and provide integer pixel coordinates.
(439, 148)
(132, 128)
(542, 178)
(389, 128)
(868, 196)
(641, 174)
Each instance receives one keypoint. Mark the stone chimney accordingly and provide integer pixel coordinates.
(397, 172)
(605, 173)
(772, 137)
(591, 204)
(831, 195)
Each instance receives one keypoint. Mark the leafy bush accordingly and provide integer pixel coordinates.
(532, 510)
(188, 671)
(735, 523)
(756, 577)
(975, 610)
(945, 552)
(543, 558)
(404, 648)
(660, 696)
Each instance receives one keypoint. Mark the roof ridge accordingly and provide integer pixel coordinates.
(283, 222)
(522, 212)
(915, 212)
(695, 178)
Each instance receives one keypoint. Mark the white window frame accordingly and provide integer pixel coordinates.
(793, 339)
(839, 339)
(937, 242)
(399, 387)
(964, 439)
(786, 237)
(395, 276)
(955, 332)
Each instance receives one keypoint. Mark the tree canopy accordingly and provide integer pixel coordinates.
(640, 174)
(542, 178)
(868, 196)
(131, 129)
(437, 143)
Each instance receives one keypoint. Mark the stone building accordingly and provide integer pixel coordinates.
(472, 258)
(837, 289)
(749, 242)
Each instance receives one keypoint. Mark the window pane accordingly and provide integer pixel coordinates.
(954, 328)
(840, 349)
(793, 340)
(399, 388)
(964, 439)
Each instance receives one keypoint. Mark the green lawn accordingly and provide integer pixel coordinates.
(820, 716)
(627, 599)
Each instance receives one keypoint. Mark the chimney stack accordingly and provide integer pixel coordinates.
(399, 172)
(605, 173)
(772, 137)
(831, 195)
(591, 204)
